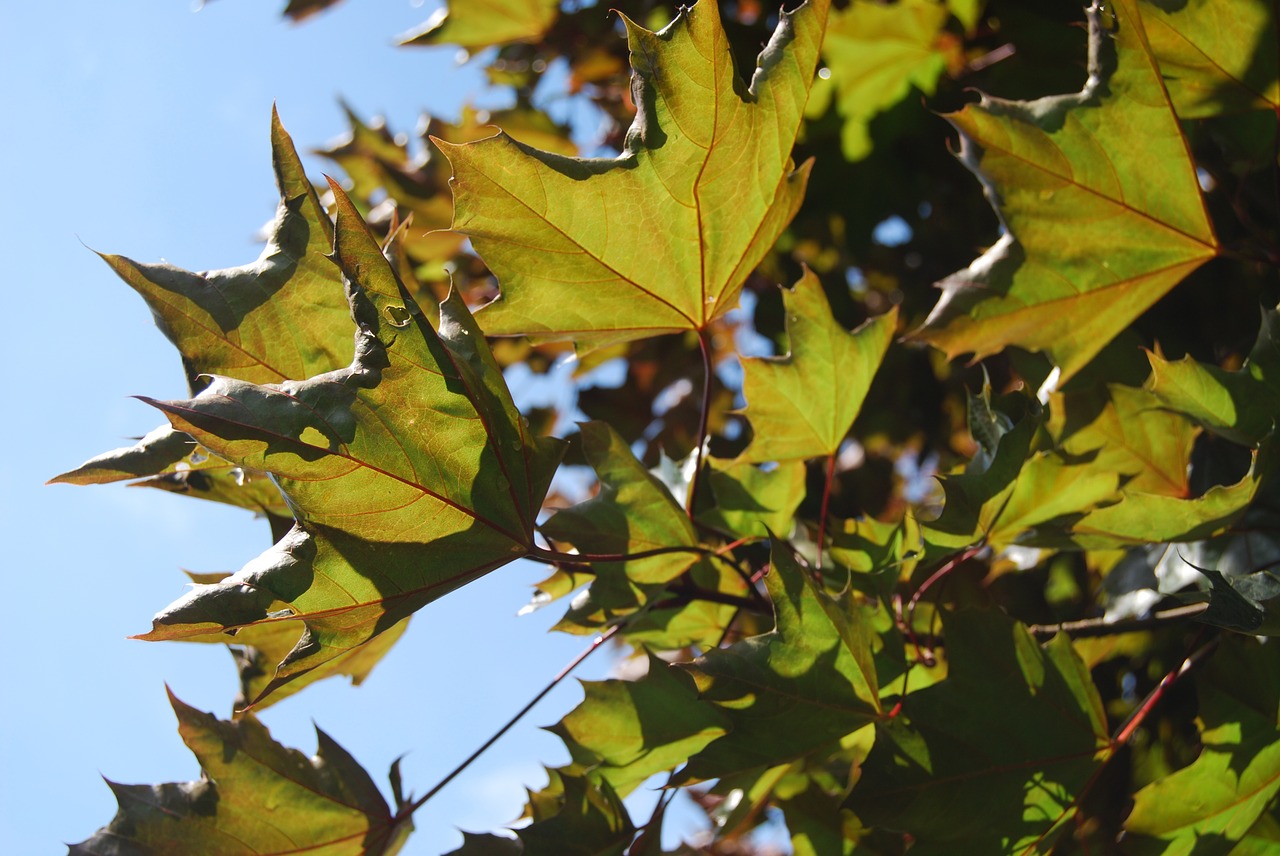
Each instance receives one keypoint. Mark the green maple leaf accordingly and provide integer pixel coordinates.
(802, 405)
(662, 238)
(625, 731)
(256, 651)
(282, 316)
(254, 796)
(1099, 227)
(1216, 58)
(751, 502)
(410, 472)
(808, 683)
(1211, 804)
(478, 24)
(991, 759)
(1240, 405)
(876, 54)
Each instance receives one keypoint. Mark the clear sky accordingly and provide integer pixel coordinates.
(142, 129)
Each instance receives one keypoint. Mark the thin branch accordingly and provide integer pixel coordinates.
(1087, 627)
(497, 735)
(556, 558)
(703, 419)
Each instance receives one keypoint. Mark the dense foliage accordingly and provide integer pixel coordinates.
(1058, 644)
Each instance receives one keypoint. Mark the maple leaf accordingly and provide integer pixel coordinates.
(876, 54)
(254, 796)
(478, 24)
(282, 316)
(662, 238)
(990, 759)
(1216, 58)
(1099, 228)
(802, 405)
(1212, 803)
(785, 693)
(410, 472)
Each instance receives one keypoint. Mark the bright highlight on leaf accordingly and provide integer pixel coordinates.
(802, 405)
(1099, 195)
(478, 24)
(661, 239)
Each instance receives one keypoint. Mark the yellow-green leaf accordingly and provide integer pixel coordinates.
(662, 238)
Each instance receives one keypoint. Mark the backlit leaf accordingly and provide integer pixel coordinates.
(1207, 807)
(254, 796)
(661, 239)
(802, 405)
(410, 473)
(478, 24)
(991, 759)
(807, 683)
(1099, 227)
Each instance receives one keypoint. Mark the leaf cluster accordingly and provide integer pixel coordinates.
(984, 568)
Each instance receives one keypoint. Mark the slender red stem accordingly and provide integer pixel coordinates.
(497, 735)
(705, 347)
(822, 517)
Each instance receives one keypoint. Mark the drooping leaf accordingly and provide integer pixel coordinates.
(411, 473)
(1248, 603)
(991, 759)
(1209, 806)
(802, 405)
(626, 731)
(876, 54)
(478, 24)
(1099, 228)
(1215, 57)
(809, 682)
(256, 651)
(661, 239)
(254, 796)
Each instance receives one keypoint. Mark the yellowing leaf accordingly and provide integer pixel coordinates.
(410, 472)
(802, 406)
(478, 24)
(1216, 57)
(255, 796)
(662, 238)
(1099, 194)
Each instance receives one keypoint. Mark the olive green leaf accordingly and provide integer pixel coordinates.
(478, 24)
(661, 239)
(802, 405)
(876, 53)
(1215, 57)
(254, 796)
(751, 502)
(1099, 228)
(282, 316)
(990, 759)
(810, 681)
(411, 473)
(1208, 806)
(625, 731)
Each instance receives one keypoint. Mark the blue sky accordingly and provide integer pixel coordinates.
(142, 129)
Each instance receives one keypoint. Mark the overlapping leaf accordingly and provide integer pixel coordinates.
(1099, 226)
(1210, 805)
(410, 472)
(802, 405)
(991, 759)
(625, 731)
(254, 796)
(661, 239)
(282, 316)
(809, 682)
(1215, 57)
